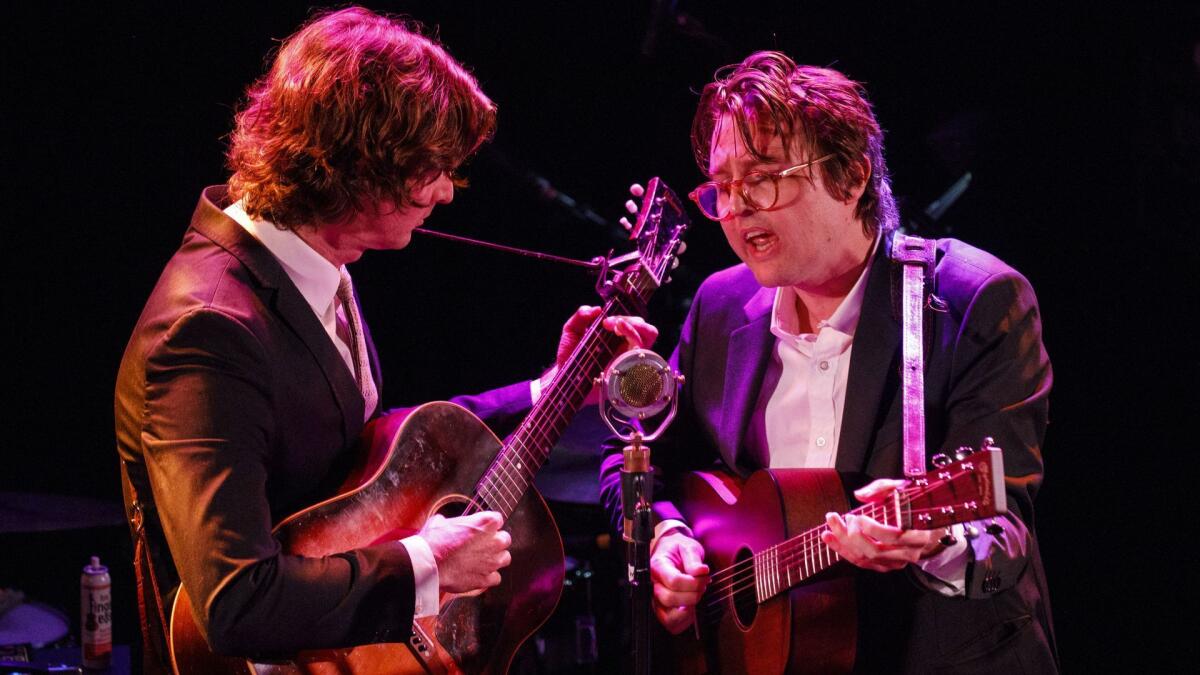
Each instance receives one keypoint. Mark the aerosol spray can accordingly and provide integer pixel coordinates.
(95, 588)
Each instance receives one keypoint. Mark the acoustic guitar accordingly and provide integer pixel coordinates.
(440, 458)
(776, 601)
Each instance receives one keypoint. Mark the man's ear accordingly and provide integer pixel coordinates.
(860, 174)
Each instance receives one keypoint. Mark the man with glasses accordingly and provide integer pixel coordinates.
(791, 361)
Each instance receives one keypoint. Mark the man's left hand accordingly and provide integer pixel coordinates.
(635, 330)
(871, 545)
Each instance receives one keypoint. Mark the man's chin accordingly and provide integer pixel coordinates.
(765, 277)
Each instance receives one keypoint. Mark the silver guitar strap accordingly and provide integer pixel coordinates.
(917, 257)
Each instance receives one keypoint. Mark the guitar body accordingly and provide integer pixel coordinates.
(427, 462)
(809, 629)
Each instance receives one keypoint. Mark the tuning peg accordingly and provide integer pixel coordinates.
(940, 460)
(993, 528)
(631, 206)
(964, 452)
(988, 443)
(625, 223)
(970, 531)
(637, 190)
(948, 539)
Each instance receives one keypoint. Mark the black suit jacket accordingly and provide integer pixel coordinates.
(987, 374)
(234, 410)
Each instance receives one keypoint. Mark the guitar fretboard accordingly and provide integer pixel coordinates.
(779, 567)
(510, 475)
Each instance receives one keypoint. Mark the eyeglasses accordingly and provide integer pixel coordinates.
(759, 190)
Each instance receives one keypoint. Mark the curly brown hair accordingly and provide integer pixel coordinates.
(356, 109)
(769, 94)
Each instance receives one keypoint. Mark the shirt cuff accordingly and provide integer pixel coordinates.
(425, 576)
(537, 384)
(947, 571)
(665, 527)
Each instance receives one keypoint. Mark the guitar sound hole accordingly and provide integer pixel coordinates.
(745, 601)
(451, 506)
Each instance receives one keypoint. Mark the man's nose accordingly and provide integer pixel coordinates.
(738, 206)
(443, 189)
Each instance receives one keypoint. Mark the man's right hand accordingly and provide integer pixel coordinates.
(680, 577)
(469, 550)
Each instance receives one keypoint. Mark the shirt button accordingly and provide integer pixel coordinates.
(824, 365)
(820, 441)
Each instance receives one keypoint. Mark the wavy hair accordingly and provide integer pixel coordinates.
(768, 93)
(357, 108)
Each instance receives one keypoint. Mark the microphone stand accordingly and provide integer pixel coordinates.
(637, 487)
(652, 388)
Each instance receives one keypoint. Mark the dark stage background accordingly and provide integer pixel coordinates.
(1079, 125)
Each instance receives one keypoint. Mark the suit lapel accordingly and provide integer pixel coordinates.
(212, 222)
(873, 362)
(745, 365)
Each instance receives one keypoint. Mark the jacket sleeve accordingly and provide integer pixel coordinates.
(502, 409)
(207, 429)
(1000, 380)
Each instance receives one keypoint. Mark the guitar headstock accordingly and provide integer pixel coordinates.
(971, 488)
(658, 234)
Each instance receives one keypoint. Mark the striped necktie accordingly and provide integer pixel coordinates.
(350, 329)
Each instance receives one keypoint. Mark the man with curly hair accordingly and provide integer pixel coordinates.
(250, 374)
(791, 361)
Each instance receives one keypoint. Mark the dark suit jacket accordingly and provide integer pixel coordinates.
(987, 374)
(234, 410)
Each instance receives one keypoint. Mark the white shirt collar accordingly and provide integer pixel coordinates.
(315, 277)
(785, 321)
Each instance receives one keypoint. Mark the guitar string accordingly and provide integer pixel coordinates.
(801, 548)
(743, 571)
(486, 494)
(592, 341)
(564, 387)
(528, 456)
(808, 534)
(571, 384)
(793, 553)
(714, 598)
(907, 496)
(807, 550)
(567, 385)
(748, 577)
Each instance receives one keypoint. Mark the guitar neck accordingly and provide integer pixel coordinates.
(526, 450)
(971, 489)
(779, 567)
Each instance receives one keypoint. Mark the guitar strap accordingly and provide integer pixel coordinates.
(916, 256)
(154, 628)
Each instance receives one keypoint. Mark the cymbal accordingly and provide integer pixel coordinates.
(40, 512)
(33, 623)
